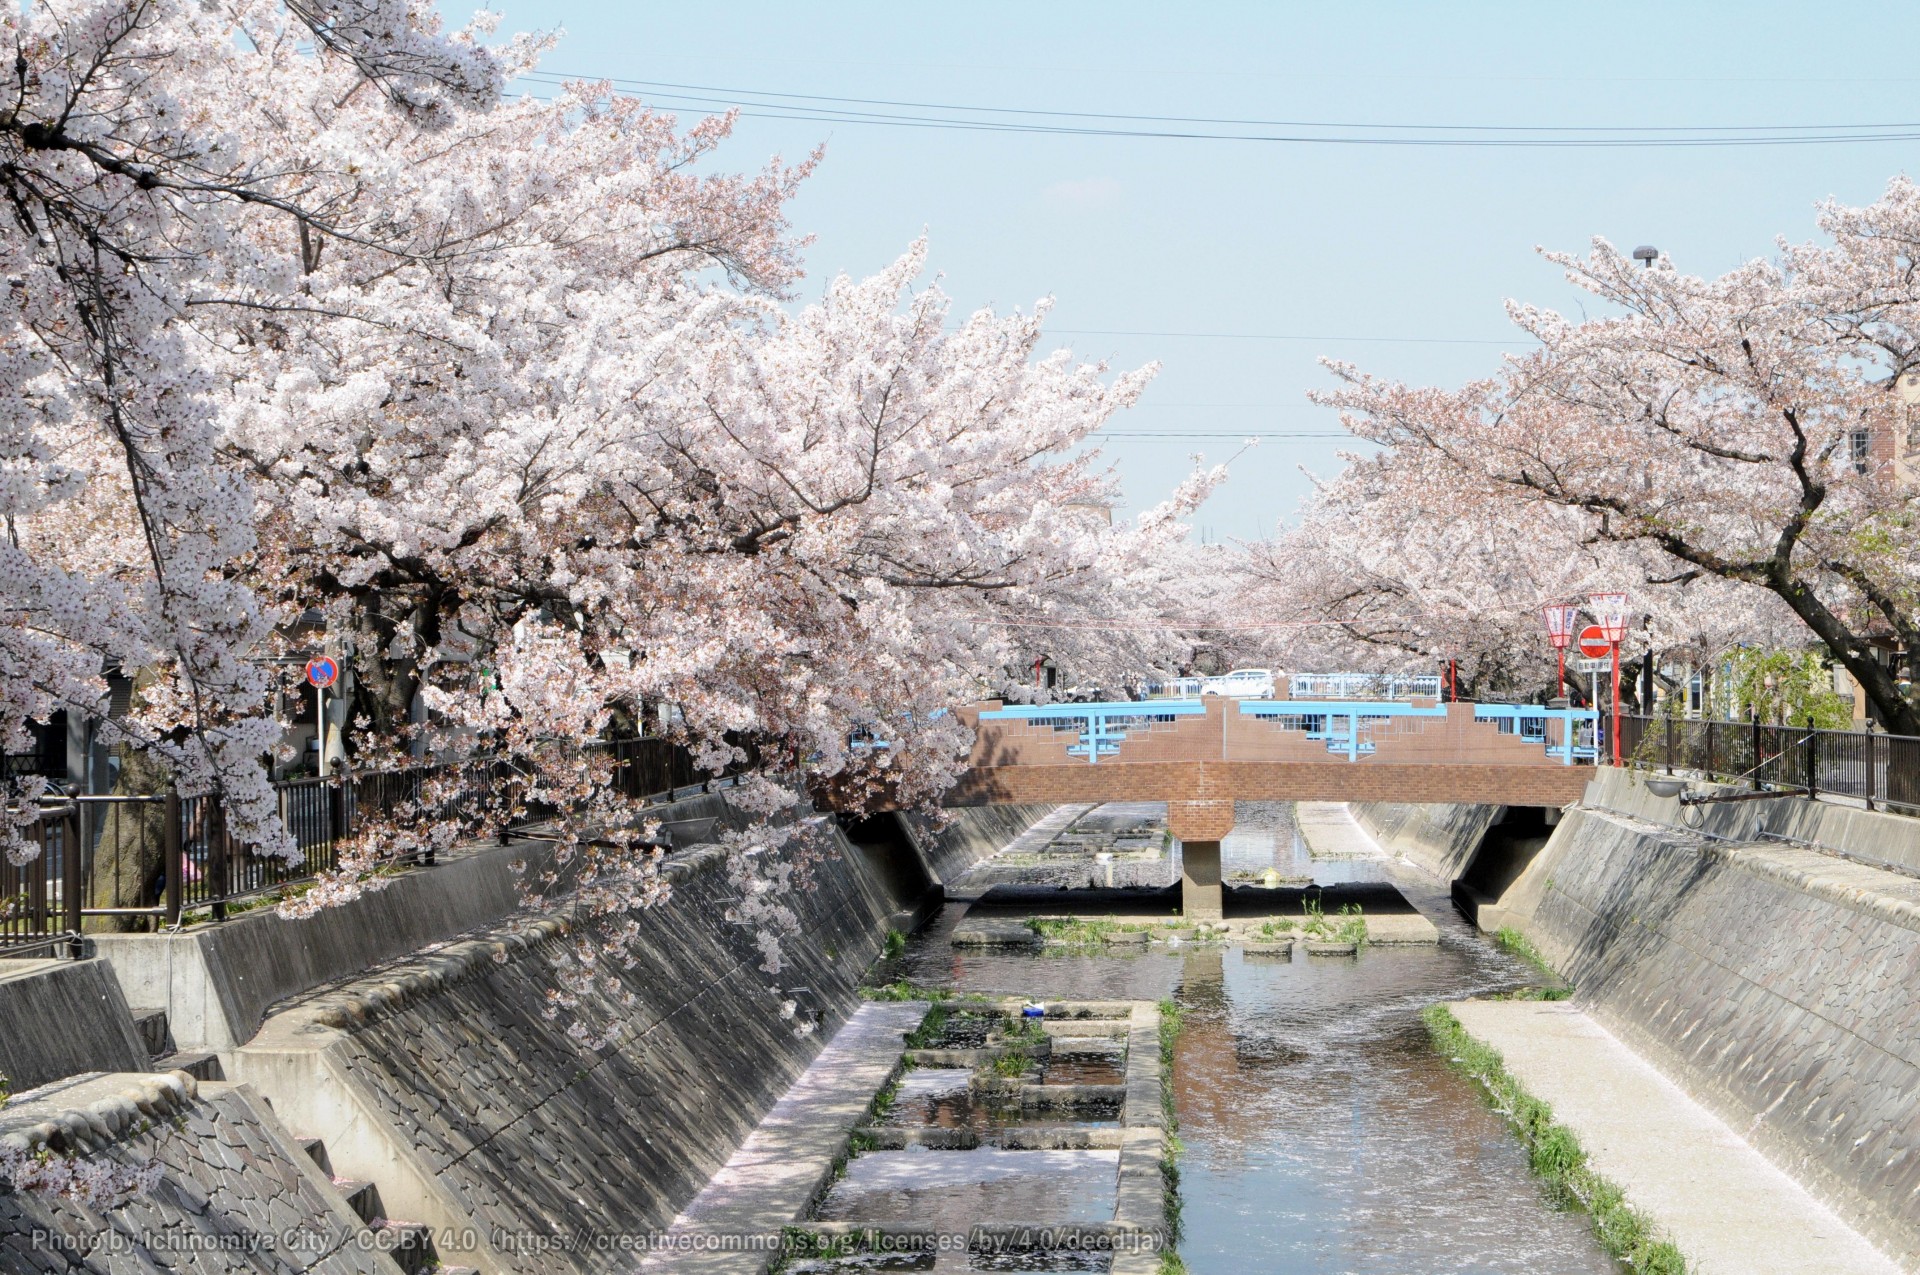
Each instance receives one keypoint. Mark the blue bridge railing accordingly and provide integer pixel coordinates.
(1101, 727)
(1347, 727)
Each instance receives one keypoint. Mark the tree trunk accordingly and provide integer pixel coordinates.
(1900, 716)
(129, 858)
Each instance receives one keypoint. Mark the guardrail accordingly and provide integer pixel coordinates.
(177, 857)
(1365, 686)
(1100, 727)
(1883, 771)
(1282, 730)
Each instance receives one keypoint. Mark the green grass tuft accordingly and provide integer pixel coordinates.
(1553, 1152)
(906, 990)
(1517, 944)
(931, 1029)
(1171, 1019)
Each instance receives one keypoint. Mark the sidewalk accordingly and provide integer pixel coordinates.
(772, 1178)
(1726, 1207)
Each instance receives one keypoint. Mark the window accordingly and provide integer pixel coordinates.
(1858, 446)
(1913, 430)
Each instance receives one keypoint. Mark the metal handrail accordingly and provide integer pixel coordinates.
(203, 869)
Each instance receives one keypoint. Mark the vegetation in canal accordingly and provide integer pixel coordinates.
(798, 1242)
(906, 989)
(1513, 941)
(1553, 1152)
(1075, 931)
(932, 1029)
(1353, 925)
(1171, 1147)
(1349, 926)
(896, 943)
(1020, 1040)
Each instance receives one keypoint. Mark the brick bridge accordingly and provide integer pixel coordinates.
(1200, 756)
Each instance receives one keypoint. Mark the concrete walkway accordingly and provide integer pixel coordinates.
(772, 1178)
(1727, 1208)
(1330, 832)
(1041, 832)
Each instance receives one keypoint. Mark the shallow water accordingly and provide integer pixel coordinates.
(1322, 1133)
(941, 1098)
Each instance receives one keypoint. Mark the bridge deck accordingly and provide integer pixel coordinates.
(1219, 750)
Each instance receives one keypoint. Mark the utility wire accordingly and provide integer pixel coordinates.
(842, 111)
(560, 77)
(1288, 336)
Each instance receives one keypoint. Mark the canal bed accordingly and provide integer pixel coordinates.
(1322, 1134)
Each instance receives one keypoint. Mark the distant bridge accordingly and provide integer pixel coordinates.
(1200, 756)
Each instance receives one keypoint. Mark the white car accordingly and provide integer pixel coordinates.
(1242, 683)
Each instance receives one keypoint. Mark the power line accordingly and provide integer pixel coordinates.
(558, 77)
(1220, 434)
(840, 110)
(1289, 336)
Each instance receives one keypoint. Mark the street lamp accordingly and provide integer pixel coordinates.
(1560, 618)
(1609, 612)
(1646, 254)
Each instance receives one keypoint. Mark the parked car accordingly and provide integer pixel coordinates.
(1242, 683)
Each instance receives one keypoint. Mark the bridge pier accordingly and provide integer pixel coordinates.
(1201, 895)
(1200, 826)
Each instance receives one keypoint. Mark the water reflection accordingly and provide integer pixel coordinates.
(1322, 1134)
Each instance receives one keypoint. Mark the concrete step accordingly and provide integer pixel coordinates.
(199, 1063)
(409, 1244)
(362, 1197)
(1470, 899)
(154, 1032)
(316, 1150)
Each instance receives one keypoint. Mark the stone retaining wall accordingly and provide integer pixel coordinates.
(58, 1018)
(445, 1080)
(234, 1191)
(1778, 984)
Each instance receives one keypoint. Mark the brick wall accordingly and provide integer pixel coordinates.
(1273, 781)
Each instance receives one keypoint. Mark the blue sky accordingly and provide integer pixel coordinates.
(1325, 243)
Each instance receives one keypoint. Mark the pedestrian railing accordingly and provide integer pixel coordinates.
(1173, 731)
(1882, 771)
(154, 860)
(1364, 686)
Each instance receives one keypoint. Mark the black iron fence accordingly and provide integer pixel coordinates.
(1881, 770)
(118, 861)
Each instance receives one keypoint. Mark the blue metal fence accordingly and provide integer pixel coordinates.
(1346, 727)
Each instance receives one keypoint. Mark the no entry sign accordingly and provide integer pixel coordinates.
(322, 671)
(1593, 642)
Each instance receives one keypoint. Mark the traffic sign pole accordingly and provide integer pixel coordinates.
(321, 673)
(1610, 609)
(1616, 703)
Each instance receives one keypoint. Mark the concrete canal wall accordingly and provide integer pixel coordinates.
(970, 834)
(460, 1058)
(1440, 839)
(1777, 980)
(444, 1079)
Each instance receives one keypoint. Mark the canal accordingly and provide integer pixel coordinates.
(1321, 1132)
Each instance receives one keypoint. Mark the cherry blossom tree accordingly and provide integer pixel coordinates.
(308, 323)
(140, 159)
(1707, 425)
